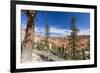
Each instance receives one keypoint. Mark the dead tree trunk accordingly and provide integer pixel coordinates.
(28, 41)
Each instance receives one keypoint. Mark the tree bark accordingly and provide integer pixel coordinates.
(28, 42)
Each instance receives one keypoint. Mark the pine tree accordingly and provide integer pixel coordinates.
(73, 37)
(47, 32)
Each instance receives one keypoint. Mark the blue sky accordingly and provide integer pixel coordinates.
(59, 22)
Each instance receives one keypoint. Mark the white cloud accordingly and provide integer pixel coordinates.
(39, 29)
(53, 32)
(56, 32)
(84, 32)
(23, 26)
(59, 32)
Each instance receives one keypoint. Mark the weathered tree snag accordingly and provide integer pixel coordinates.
(28, 41)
